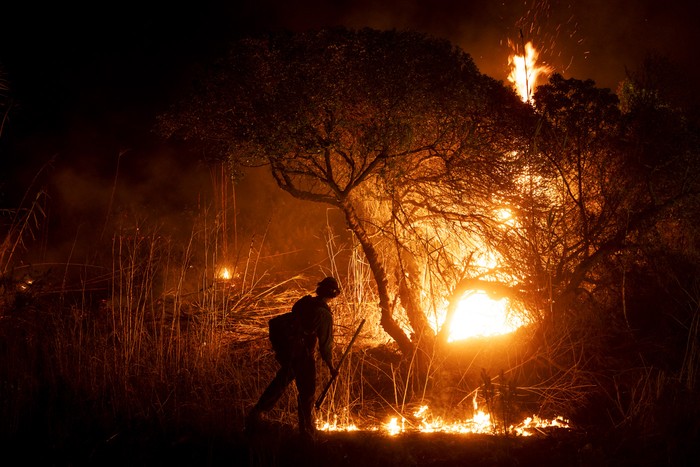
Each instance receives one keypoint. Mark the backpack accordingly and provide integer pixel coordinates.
(286, 332)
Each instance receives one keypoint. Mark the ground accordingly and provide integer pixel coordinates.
(280, 445)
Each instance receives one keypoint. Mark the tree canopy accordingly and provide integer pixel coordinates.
(326, 110)
(344, 116)
(448, 181)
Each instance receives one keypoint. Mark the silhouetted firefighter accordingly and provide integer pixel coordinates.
(294, 336)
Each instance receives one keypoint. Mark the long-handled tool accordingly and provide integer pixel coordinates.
(320, 399)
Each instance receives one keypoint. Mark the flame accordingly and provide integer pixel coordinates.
(336, 424)
(525, 71)
(479, 423)
(479, 315)
(393, 427)
(224, 273)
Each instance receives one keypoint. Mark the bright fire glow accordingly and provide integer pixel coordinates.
(506, 217)
(479, 315)
(335, 425)
(224, 274)
(479, 423)
(525, 71)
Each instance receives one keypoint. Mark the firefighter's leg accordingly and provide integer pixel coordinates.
(270, 396)
(305, 370)
(275, 389)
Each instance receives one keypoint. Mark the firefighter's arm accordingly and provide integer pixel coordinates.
(325, 343)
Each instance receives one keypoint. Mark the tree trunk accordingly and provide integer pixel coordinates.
(423, 336)
(409, 287)
(380, 276)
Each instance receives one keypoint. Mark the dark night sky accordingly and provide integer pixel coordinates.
(123, 60)
(87, 81)
(66, 58)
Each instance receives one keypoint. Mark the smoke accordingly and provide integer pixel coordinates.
(169, 192)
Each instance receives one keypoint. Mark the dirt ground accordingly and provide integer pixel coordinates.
(280, 445)
(417, 449)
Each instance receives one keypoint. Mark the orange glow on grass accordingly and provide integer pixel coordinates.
(525, 72)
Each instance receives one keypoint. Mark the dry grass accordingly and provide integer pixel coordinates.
(153, 349)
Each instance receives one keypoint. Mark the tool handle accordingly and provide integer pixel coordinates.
(330, 382)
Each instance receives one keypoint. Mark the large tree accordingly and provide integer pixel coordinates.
(449, 183)
(342, 117)
(609, 179)
(605, 190)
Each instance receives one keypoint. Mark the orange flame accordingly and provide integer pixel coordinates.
(479, 423)
(224, 274)
(479, 315)
(525, 71)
